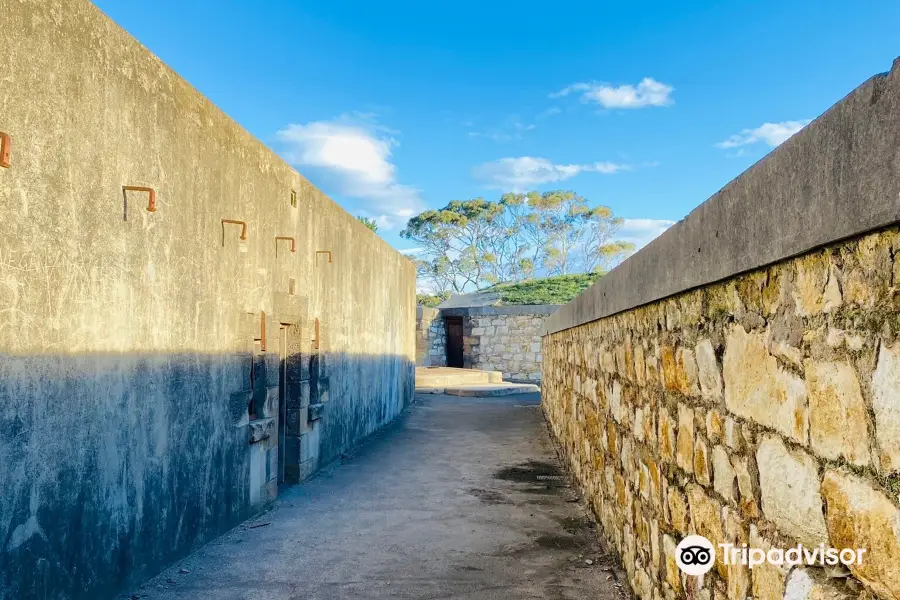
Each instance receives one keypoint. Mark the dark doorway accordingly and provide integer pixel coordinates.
(454, 328)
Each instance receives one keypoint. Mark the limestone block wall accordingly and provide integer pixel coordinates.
(431, 340)
(509, 342)
(161, 366)
(762, 408)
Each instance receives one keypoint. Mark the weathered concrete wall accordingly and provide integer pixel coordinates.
(127, 336)
(431, 338)
(762, 409)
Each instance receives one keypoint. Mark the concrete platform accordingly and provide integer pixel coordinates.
(492, 389)
(438, 377)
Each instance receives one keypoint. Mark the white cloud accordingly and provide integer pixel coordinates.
(771, 134)
(356, 152)
(641, 232)
(524, 172)
(648, 92)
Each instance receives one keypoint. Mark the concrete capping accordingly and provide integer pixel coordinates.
(836, 179)
(426, 312)
(516, 309)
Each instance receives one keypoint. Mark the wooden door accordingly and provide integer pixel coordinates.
(454, 329)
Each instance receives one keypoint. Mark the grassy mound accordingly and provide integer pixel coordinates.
(548, 290)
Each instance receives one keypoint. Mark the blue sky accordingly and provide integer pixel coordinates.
(392, 107)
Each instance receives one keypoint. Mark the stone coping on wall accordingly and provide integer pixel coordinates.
(515, 309)
(426, 312)
(837, 178)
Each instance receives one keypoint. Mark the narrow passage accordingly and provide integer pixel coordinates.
(462, 498)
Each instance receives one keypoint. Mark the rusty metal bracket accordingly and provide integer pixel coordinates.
(243, 225)
(288, 238)
(262, 330)
(316, 340)
(5, 150)
(151, 206)
(328, 252)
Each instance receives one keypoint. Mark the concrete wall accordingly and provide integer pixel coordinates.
(431, 338)
(127, 336)
(762, 408)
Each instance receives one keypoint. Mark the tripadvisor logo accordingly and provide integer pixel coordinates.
(695, 555)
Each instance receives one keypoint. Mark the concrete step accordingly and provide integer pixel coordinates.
(492, 389)
(441, 377)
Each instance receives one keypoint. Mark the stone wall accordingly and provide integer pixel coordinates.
(510, 343)
(137, 345)
(495, 338)
(431, 338)
(762, 409)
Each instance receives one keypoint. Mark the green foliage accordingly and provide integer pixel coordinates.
(431, 300)
(370, 223)
(609, 255)
(457, 243)
(470, 244)
(549, 290)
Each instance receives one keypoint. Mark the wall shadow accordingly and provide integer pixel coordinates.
(113, 466)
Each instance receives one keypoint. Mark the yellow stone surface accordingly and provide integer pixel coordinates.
(757, 388)
(859, 516)
(838, 423)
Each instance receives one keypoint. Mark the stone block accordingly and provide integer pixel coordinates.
(724, 476)
(747, 485)
(679, 370)
(789, 486)
(734, 438)
(860, 516)
(838, 421)
(757, 388)
(668, 368)
(886, 405)
(672, 572)
(715, 426)
(702, 470)
(708, 370)
(768, 579)
(806, 584)
(316, 411)
(640, 365)
(261, 429)
(679, 515)
(706, 520)
(688, 383)
(816, 288)
(667, 438)
(684, 446)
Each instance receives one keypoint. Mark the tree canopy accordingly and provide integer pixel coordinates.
(470, 244)
(370, 223)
